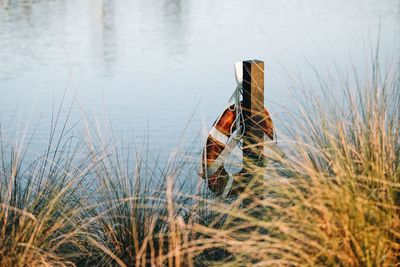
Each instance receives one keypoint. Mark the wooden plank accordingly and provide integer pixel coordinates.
(253, 110)
(253, 115)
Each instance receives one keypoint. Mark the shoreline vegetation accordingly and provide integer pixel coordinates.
(334, 200)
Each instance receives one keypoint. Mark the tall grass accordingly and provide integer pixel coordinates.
(136, 217)
(40, 204)
(333, 200)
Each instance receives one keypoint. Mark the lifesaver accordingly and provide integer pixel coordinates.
(213, 170)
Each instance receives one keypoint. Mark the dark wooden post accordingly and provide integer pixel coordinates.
(253, 136)
(253, 111)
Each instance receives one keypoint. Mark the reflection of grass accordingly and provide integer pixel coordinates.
(333, 200)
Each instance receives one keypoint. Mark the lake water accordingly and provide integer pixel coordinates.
(157, 67)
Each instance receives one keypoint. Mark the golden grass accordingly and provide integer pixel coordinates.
(40, 208)
(334, 199)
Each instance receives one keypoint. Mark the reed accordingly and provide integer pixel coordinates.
(40, 204)
(333, 200)
(136, 215)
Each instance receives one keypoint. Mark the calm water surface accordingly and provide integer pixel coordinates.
(156, 67)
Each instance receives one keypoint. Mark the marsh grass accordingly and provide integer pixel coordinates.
(136, 217)
(40, 204)
(333, 200)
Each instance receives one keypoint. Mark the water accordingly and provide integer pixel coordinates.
(156, 67)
